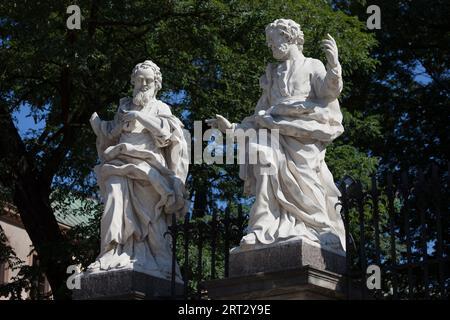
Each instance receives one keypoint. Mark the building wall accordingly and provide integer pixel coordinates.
(21, 243)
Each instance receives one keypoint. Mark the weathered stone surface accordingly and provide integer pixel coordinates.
(123, 284)
(285, 256)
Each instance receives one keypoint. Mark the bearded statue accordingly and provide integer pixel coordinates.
(143, 167)
(299, 199)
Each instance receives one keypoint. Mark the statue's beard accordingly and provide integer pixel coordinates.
(141, 98)
(281, 51)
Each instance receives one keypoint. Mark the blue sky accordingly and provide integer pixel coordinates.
(24, 121)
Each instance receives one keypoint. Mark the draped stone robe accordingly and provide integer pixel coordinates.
(141, 178)
(300, 100)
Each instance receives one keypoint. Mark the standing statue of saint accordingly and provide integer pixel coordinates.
(143, 167)
(299, 99)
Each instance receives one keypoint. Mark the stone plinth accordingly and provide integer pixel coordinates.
(304, 283)
(285, 255)
(124, 285)
(298, 270)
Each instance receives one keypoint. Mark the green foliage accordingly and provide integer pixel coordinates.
(350, 155)
(408, 91)
(346, 160)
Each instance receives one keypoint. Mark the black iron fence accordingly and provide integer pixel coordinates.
(399, 223)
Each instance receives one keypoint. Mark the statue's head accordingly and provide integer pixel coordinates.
(146, 79)
(282, 35)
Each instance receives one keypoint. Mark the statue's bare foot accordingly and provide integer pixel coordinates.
(101, 263)
(122, 261)
(94, 266)
(248, 240)
(110, 260)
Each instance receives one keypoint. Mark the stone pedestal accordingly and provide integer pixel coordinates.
(298, 269)
(124, 285)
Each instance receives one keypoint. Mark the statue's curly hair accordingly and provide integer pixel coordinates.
(145, 65)
(288, 27)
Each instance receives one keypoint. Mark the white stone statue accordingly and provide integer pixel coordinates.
(143, 167)
(300, 100)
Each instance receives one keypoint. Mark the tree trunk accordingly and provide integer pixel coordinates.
(32, 202)
(31, 197)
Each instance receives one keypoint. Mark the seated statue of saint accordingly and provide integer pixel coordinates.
(143, 167)
(299, 99)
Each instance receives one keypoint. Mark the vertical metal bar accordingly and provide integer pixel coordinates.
(393, 253)
(406, 214)
(421, 189)
(376, 222)
(362, 239)
(174, 254)
(213, 244)
(186, 256)
(227, 241)
(437, 195)
(346, 216)
(200, 258)
(241, 221)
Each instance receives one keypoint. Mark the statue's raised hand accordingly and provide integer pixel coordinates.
(331, 51)
(220, 123)
(95, 123)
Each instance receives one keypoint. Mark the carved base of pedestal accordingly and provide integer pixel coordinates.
(124, 285)
(305, 283)
(298, 269)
